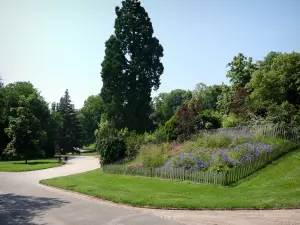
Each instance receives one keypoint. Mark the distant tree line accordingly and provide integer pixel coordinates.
(30, 129)
(123, 114)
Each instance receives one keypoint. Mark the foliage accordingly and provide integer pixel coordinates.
(170, 128)
(207, 95)
(241, 69)
(53, 127)
(24, 131)
(90, 115)
(225, 99)
(133, 142)
(230, 120)
(210, 119)
(282, 74)
(111, 148)
(11, 97)
(131, 68)
(153, 155)
(70, 132)
(166, 104)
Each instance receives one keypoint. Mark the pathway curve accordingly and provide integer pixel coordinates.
(24, 201)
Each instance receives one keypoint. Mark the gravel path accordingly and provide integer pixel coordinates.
(24, 201)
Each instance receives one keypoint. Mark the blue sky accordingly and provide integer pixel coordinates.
(59, 44)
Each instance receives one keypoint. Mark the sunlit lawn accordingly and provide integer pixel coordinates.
(276, 186)
(17, 166)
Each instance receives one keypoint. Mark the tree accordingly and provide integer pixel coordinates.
(225, 99)
(241, 69)
(1, 81)
(166, 104)
(70, 134)
(24, 131)
(275, 82)
(2, 118)
(11, 98)
(90, 115)
(52, 129)
(131, 68)
(207, 95)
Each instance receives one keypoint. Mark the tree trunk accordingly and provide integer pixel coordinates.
(26, 161)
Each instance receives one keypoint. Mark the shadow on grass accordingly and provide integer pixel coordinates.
(19, 209)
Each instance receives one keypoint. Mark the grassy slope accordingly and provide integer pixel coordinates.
(276, 186)
(18, 166)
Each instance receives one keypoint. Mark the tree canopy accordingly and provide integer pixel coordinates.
(131, 68)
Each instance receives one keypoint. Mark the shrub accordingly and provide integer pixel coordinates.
(111, 148)
(160, 135)
(230, 120)
(154, 155)
(210, 119)
(133, 142)
(170, 129)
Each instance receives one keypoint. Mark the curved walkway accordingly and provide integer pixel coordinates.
(24, 201)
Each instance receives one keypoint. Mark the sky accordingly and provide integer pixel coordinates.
(59, 45)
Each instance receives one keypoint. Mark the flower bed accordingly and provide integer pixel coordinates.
(229, 158)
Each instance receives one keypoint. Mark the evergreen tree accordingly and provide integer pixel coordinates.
(70, 133)
(131, 68)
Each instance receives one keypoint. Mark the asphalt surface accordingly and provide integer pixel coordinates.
(24, 201)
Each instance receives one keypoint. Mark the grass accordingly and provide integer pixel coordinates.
(89, 154)
(276, 186)
(18, 166)
(89, 147)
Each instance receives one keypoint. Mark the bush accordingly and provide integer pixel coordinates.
(154, 155)
(133, 143)
(170, 128)
(230, 120)
(111, 148)
(109, 143)
(210, 119)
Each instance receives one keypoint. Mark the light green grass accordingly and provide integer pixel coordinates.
(276, 186)
(18, 166)
(89, 154)
(89, 147)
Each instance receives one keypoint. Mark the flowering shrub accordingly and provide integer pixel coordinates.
(223, 159)
(198, 161)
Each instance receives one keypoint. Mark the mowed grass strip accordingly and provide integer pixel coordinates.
(276, 186)
(19, 166)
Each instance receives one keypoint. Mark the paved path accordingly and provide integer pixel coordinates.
(24, 201)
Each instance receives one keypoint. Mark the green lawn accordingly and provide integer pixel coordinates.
(89, 154)
(276, 186)
(18, 166)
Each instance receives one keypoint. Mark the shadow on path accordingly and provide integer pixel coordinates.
(20, 209)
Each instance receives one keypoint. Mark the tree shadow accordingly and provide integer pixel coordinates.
(19, 209)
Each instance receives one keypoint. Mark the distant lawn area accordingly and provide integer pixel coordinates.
(18, 166)
(276, 186)
(89, 154)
